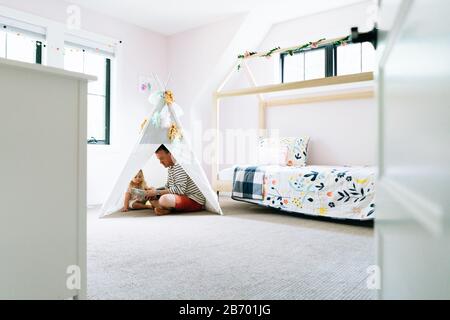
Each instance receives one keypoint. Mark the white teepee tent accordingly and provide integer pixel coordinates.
(165, 128)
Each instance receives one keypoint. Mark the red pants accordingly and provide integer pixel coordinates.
(186, 204)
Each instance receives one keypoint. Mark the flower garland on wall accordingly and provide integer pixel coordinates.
(292, 51)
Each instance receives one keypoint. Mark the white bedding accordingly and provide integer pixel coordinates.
(227, 174)
(337, 192)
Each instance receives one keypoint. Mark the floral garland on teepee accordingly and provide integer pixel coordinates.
(162, 118)
(309, 45)
(173, 132)
(168, 97)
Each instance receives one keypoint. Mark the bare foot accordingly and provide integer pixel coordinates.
(161, 211)
(124, 209)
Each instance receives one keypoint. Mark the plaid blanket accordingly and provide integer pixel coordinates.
(248, 183)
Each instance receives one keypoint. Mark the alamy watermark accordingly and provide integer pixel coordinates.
(373, 281)
(73, 281)
(225, 147)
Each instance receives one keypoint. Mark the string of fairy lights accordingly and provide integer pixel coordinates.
(41, 42)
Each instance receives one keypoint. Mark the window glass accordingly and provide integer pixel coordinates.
(349, 59)
(84, 61)
(20, 47)
(368, 57)
(95, 64)
(294, 67)
(74, 59)
(96, 117)
(315, 64)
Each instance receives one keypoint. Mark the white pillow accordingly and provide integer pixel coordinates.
(272, 154)
(293, 150)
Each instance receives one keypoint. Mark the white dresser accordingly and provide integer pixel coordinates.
(42, 182)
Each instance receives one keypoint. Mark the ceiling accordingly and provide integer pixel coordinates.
(169, 17)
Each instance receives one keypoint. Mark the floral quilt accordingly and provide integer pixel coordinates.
(338, 192)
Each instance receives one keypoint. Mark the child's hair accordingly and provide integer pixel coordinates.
(142, 185)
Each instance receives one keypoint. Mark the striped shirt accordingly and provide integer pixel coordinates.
(178, 182)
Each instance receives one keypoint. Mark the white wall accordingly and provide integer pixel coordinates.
(141, 53)
(211, 52)
(194, 54)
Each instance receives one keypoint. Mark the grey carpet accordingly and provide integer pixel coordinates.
(250, 253)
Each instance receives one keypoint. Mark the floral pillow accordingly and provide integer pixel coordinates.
(297, 149)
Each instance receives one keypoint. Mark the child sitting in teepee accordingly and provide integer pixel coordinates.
(135, 196)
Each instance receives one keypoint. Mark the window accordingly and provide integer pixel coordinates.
(294, 67)
(355, 58)
(368, 57)
(314, 64)
(21, 46)
(349, 59)
(88, 61)
(327, 61)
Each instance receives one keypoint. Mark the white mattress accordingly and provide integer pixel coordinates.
(331, 191)
(227, 174)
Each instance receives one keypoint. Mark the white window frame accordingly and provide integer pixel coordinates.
(57, 34)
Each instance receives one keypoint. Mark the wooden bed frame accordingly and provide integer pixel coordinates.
(226, 186)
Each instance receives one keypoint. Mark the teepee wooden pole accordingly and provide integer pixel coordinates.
(157, 81)
(216, 156)
(169, 76)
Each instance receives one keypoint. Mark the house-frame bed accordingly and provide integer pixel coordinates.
(351, 193)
